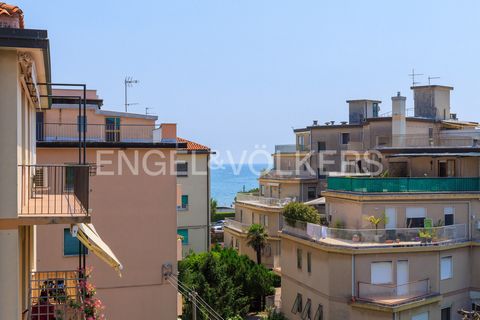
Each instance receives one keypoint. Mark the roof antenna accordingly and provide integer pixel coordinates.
(146, 110)
(129, 82)
(431, 78)
(412, 75)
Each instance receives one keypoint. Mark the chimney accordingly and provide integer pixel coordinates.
(11, 16)
(399, 124)
(432, 101)
(166, 133)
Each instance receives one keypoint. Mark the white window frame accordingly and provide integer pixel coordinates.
(443, 275)
(421, 316)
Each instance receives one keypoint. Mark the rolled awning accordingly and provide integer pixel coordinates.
(87, 235)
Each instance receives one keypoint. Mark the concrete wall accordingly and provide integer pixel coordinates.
(196, 185)
(136, 216)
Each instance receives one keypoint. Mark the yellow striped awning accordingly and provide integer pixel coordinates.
(87, 235)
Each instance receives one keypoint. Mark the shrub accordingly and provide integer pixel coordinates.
(296, 211)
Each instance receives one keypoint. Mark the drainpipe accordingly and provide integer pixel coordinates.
(209, 209)
(353, 276)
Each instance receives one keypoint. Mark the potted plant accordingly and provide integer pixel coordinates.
(375, 221)
(425, 235)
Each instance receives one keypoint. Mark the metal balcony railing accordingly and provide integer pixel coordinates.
(288, 174)
(55, 295)
(374, 184)
(54, 189)
(426, 140)
(393, 294)
(69, 132)
(362, 238)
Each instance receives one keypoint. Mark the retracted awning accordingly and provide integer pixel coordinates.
(87, 235)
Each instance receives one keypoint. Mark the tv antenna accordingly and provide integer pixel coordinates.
(413, 75)
(146, 110)
(432, 78)
(129, 82)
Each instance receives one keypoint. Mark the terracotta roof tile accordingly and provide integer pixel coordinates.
(11, 10)
(193, 146)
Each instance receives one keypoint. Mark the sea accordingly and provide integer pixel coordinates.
(229, 179)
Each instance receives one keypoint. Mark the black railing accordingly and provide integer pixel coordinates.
(69, 132)
(54, 189)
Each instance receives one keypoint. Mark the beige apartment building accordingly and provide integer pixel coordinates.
(134, 196)
(421, 261)
(34, 196)
(193, 204)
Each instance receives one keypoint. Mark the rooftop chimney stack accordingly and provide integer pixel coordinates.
(432, 101)
(11, 16)
(399, 124)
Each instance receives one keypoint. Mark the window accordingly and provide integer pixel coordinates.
(421, 316)
(262, 190)
(309, 262)
(184, 201)
(319, 313)
(301, 143)
(112, 129)
(241, 215)
(446, 268)
(345, 138)
(182, 169)
(69, 178)
(297, 305)
(375, 110)
(184, 234)
(321, 146)
(415, 217)
(299, 258)
(311, 193)
(264, 220)
(71, 244)
(307, 311)
(381, 272)
(448, 214)
(446, 313)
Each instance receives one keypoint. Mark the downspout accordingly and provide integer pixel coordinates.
(353, 276)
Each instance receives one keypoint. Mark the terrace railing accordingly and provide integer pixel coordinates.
(55, 295)
(273, 202)
(54, 189)
(392, 294)
(425, 140)
(421, 184)
(237, 225)
(69, 132)
(378, 237)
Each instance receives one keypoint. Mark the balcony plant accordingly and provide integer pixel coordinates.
(296, 211)
(375, 221)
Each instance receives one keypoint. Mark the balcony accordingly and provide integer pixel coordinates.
(381, 238)
(458, 139)
(55, 295)
(54, 191)
(395, 294)
(398, 185)
(285, 148)
(237, 225)
(288, 174)
(69, 132)
(248, 198)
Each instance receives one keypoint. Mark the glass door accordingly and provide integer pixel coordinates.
(112, 129)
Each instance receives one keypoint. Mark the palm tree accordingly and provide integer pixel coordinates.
(257, 239)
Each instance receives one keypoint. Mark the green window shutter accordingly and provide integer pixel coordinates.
(184, 234)
(70, 244)
(184, 201)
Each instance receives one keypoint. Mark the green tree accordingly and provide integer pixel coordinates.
(228, 282)
(213, 207)
(296, 211)
(257, 239)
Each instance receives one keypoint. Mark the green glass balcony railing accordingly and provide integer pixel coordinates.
(367, 184)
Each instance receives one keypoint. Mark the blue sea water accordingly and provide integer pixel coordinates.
(233, 178)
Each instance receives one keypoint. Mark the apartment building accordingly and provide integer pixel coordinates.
(193, 203)
(420, 260)
(134, 197)
(34, 196)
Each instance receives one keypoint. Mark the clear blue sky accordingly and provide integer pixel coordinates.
(238, 73)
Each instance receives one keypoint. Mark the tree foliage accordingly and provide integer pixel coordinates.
(296, 211)
(228, 282)
(257, 239)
